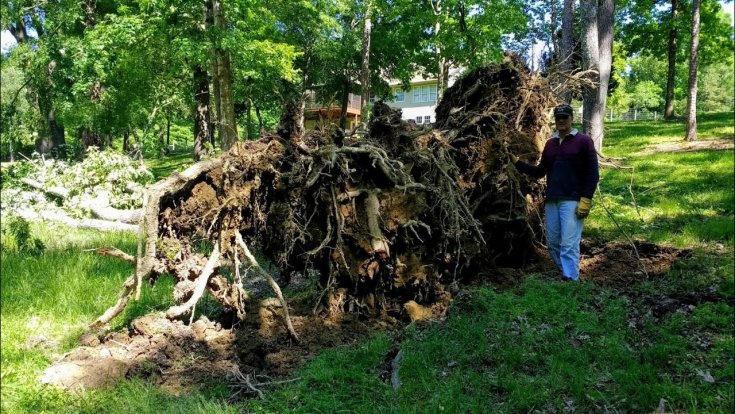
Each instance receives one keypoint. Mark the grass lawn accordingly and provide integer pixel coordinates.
(539, 346)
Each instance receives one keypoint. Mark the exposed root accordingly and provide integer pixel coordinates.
(392, 217)
(271, 282)
(114, 252)
(201, 285)
(122, 301)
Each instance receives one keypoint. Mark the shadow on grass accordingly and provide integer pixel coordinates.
(636, 135)
(162, 168)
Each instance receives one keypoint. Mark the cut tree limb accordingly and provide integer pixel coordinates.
(86, 223)
(99, 209)
(114, 252)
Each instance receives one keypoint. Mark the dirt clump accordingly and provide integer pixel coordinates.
(170, 353)
(622, 264)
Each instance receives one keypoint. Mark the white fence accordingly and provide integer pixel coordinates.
(632, 114)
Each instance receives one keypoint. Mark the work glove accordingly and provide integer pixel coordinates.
(513, 158)
(583, 208)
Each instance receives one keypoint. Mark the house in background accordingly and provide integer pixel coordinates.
(417, 103)
(323, 116)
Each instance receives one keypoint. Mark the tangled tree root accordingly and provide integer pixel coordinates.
(398, 217)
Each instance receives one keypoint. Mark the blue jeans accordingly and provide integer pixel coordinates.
(563, 234)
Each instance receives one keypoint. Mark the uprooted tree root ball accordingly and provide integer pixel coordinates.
(387, 224)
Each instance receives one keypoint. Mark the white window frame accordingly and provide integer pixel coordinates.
(419, 119)
(427, 119)
(424, 94)
(400, 96)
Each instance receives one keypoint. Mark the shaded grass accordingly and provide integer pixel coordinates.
(55, 295)
(548, 346)
(683, 199)
(163, 167)
(541, 346)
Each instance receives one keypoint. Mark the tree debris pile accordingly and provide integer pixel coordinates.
(387, 224)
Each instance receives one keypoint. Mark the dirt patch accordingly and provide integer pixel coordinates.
(180, 357)
(622, 264)
(684, 146)
(614, 264)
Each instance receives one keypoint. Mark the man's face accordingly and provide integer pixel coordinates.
(563, 122)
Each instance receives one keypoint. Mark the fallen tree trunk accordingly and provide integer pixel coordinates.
(398, 217)
(100, 209)
(85, 223)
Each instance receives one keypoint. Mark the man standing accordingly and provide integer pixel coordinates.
(569, 163)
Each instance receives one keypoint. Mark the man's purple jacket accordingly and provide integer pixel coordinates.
(570, 167)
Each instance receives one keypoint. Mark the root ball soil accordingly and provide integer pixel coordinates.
(386, 224)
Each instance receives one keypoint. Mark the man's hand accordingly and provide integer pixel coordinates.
(513, 158)
(583, 208)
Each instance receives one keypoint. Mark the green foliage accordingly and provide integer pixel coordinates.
(103, 176)
(715, 86)
(18, 118)
(647, 95)
(19, 232)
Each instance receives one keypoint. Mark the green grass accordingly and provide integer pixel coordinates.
(163, 167)
(683, 199)
(539, 346)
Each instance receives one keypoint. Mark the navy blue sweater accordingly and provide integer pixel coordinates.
(570, 167)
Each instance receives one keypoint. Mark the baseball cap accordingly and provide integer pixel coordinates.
(563, 109)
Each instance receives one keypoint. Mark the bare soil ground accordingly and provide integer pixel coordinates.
(683, 146)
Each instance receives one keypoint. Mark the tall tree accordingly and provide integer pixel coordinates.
(671, 54)
(567, 45)
(645, 22)
(691, 133)
(202, 133)
(365, 72)
(223, 78)
(18, 17)
(591, 64)
(605, 30)
(597, 48)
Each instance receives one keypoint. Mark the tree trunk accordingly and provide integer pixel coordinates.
(126, 141)
(554, 34)
(567, 46)
(365, 71)
(10, 150)
(209, 23)
(590, 62)
(18, 31)
(168, 132)
(671, 73)
(202, 131)
(227, 123)
(344, 102)
(51, 132)
(249, 118)
(693, 64)
(90, 138)
(606, 29)
(300, 109)
(261, 127)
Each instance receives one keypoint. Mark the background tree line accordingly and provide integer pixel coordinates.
(131, 73)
